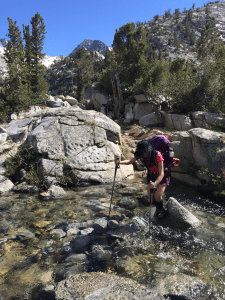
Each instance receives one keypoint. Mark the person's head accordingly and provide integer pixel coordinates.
(145, 149)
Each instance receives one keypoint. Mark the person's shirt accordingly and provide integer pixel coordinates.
(152, 166)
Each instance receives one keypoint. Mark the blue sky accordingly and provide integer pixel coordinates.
(69, 22)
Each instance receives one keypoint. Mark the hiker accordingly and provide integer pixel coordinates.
(158, 176)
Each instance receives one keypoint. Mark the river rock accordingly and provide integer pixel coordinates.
(180, 216)
(80, 243)
(76, 258)
(128, 202)
(182, 286)
(53, 192)
(99, 286)
(23, 187)
(97, 252)
(5, 185)
(58, 233)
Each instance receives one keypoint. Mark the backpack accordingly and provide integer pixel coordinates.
(163, 145)
(156, 144)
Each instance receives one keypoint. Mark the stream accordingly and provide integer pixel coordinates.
(35, 238)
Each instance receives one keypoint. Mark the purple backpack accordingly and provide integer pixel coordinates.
(162, 144)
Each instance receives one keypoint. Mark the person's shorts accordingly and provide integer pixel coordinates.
(153, 176)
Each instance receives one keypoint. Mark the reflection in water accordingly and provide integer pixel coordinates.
(32, 236)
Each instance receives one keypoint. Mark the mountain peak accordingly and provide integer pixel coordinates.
(91, 45)
(3, 42)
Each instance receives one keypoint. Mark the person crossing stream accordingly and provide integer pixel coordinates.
(158, 158)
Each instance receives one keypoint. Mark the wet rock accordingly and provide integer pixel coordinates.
(53, 192)
(184, 286)
(5, 185)
(80, 225)
(25, 188)
(66, 248)
(128, 190)
(3, 240)
(76, 259)
(80, 243)
(140, 222)
(128, 203)
(180, 216)
(72, 231)
(113, 224)
(100, 225)
(99, 286)
(86, 231)
(97, 252)
(58, 233)
(4, 204)
(25, 234)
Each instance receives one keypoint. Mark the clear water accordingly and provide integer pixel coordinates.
(26, 222)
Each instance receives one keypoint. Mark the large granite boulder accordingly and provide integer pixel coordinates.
(99, 100)
(203, 119)
(142, 109)
(152, 119)
(208, 149)
(176, 122)
(72, 143)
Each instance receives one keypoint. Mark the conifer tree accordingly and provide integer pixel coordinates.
(129, 46)
(39, 84)
(16, 81)
(83, 63)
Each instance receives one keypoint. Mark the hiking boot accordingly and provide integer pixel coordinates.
(162, 214)
(157, 211)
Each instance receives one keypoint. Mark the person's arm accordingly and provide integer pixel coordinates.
(125, 162)
(161, 173)
(159, 178)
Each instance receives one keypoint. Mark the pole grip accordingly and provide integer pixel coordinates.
(117, 165)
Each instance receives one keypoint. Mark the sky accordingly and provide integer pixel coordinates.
(69, 22)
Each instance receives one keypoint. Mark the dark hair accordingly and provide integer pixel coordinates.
(145, 147)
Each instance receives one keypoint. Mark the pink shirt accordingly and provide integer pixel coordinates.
(152, 166)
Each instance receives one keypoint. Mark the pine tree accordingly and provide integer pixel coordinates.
(16, 81)
(28, 57)
(39, 84)
(129, 46)
(83, 63)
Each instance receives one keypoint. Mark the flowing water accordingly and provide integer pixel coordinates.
(29, 254)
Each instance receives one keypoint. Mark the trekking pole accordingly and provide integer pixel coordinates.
(116, 167)
(150, 211)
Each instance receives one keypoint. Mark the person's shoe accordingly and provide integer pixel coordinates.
(157, 211)
(162, 214)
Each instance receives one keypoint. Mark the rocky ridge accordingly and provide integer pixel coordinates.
(162, 30)
(92, 45)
